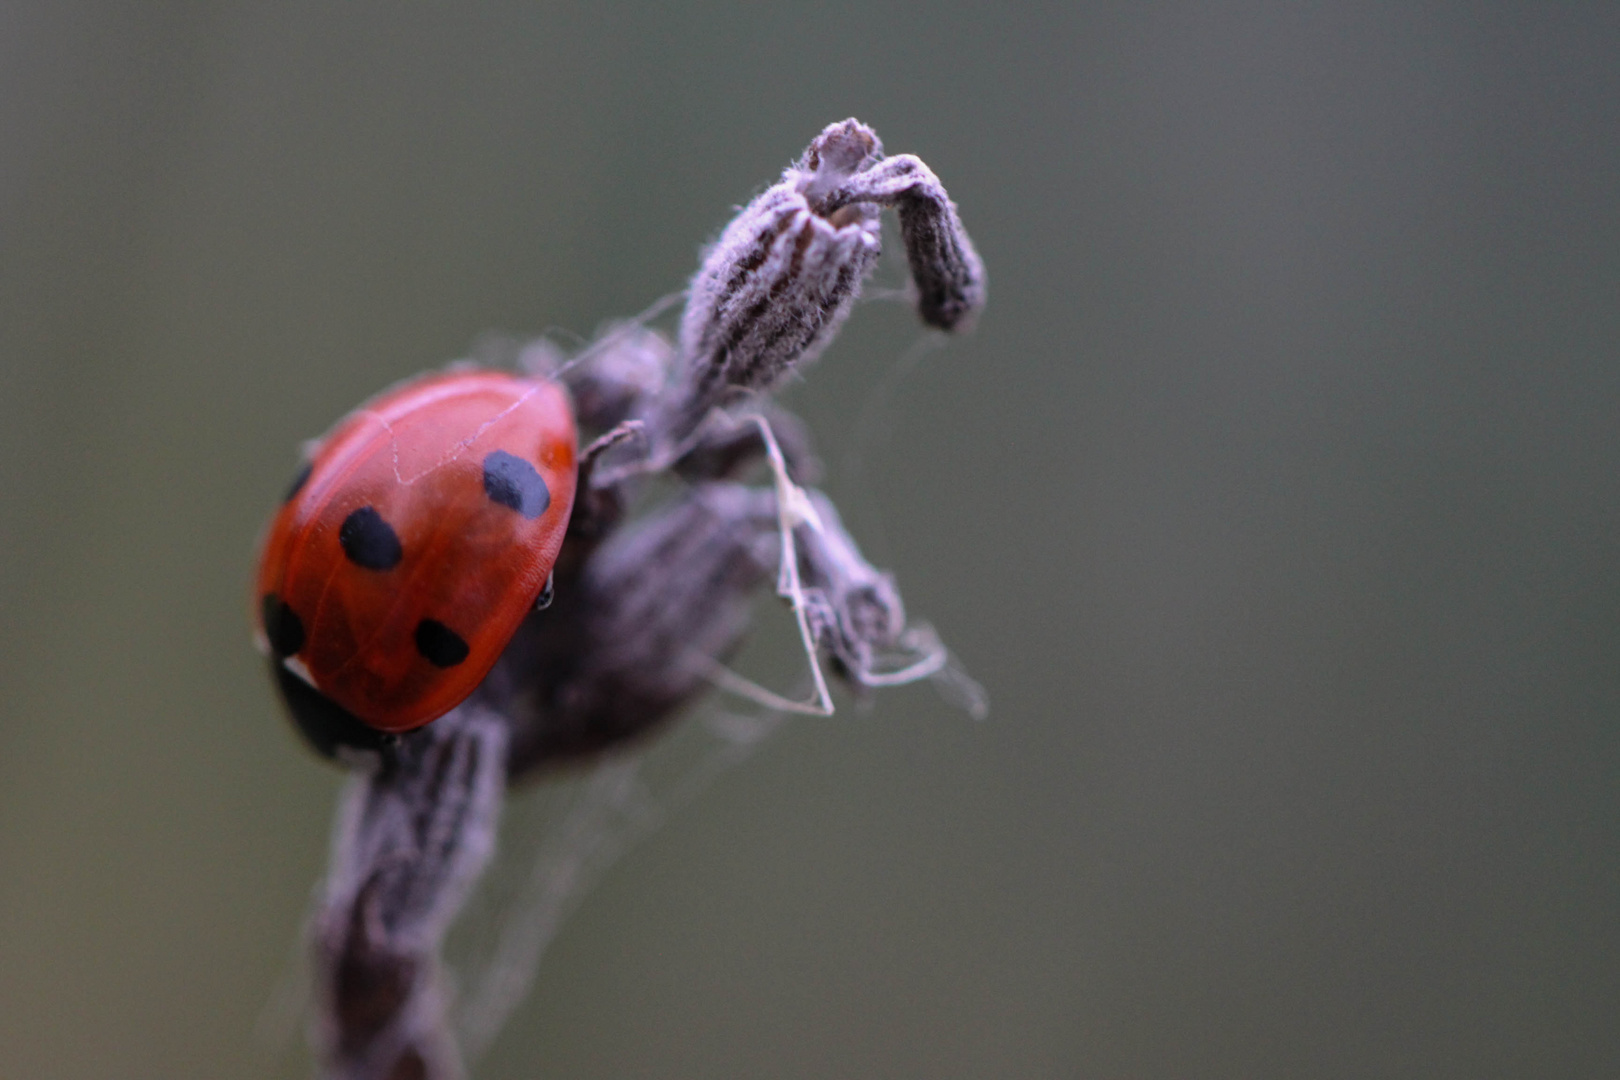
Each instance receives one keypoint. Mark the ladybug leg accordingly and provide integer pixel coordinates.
(624, 432)
(599, 505)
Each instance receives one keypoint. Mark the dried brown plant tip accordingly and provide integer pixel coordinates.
(775, 287)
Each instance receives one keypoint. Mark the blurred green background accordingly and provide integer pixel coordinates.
(1275, 502)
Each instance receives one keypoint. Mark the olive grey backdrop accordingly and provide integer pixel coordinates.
(1274, 501)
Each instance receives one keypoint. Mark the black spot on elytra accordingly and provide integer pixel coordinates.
(438, 644)
(369, 541)
(281, 625)
(513, 482)
(299, 481)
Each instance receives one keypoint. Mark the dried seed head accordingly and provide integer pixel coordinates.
(860, 613)
(783, 276)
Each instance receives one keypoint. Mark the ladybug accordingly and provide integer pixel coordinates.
(416, 540)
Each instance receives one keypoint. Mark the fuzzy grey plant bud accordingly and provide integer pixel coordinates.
(775, 287)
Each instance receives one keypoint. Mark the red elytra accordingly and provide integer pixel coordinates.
(421, 535)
